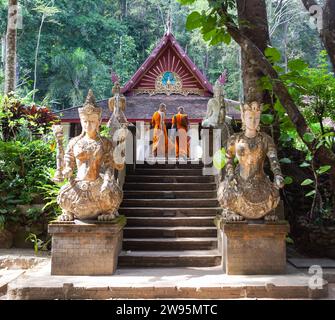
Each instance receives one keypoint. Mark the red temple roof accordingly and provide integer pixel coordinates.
(187, 87)
(168, 56)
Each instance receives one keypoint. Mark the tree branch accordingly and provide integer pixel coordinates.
(324, 155)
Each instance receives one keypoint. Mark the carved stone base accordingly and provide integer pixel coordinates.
(86, 248)
(253, 248)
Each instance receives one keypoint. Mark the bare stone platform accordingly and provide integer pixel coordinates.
(86, 247)
(180, 283)
(252, 248)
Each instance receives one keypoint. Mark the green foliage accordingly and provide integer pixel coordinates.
(308, 137)
(108, 40)
(186, 2)
(323, 169)
(2, 221)
(289, 240)
(38, 243)
(313, 90)
(219, 159)
(73, 73)
(307, 182)
(112, 40)
(50, 191)
(272, 54)
(194, 21)
(18, 117)
(285, 160)
(297, 65)
(288, 180)
(305, 165)
(311, 193)
(105, 131)
(24, 157)
(267, 119)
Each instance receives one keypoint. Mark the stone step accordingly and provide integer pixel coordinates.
(168, 244)
(170, 212)
(169, 232)
(170, 222)
(169, 186)
(165, 179)
(168, 283)
(167, 172)
(169, 259)
(132, 194)
(171, 203)
(170, 166)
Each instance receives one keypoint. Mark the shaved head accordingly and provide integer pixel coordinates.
(162, 107)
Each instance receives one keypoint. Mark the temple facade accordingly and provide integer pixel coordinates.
(167, 76)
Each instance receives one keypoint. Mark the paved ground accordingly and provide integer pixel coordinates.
(26, 276)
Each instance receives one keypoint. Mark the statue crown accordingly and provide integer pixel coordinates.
(90, 106)
(219, 87)
(116, 88)
(253, 106)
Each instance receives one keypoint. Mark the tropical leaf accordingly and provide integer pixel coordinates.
(307, 182)
(273, 54)
(308, 137)
(285, 160)
(309, 194)
(288, 180)
(194, 20)
(323, 169)
(304, 165)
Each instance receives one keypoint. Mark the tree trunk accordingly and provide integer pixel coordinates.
(323, 155)
(285, 40)
(327, 33)
(3, 52)
(123, 5)
(10, 69)
(206, 61)
(36, 54)
(253, 23)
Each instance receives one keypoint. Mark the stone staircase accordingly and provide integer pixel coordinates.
(170, 212)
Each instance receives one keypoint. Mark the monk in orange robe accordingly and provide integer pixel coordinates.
(160, 137)
(180, 124)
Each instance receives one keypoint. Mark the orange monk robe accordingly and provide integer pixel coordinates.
(182, 145)
(160, 137)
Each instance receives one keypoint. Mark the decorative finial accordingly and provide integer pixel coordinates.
(114, 77)
(223, 78)
(169, 21)
(90, 106)
(116, 90)
(90, 99)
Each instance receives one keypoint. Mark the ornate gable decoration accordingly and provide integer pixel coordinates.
(168, 70)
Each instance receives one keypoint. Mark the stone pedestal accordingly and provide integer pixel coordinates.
(253, 248)
(89, 248)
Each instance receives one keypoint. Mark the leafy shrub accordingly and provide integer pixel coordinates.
(22, 170)
(16, 116)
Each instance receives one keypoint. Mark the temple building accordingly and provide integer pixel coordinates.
(167, 76)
